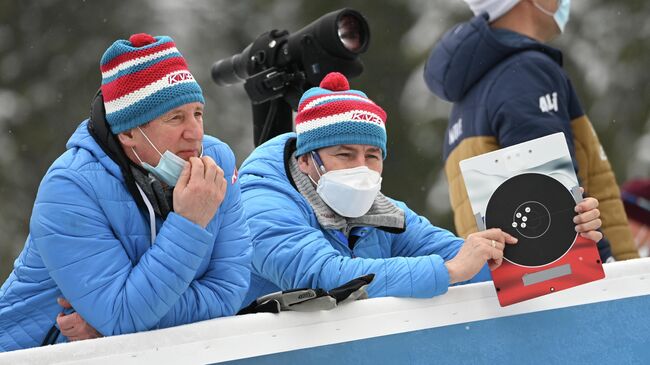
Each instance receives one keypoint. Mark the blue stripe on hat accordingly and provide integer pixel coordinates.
(154, 106)
(342, 133)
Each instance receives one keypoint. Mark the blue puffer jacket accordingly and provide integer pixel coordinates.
(90, 243)
(291, 250)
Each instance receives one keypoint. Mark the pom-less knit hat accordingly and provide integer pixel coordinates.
(332, 114)
(144, 78)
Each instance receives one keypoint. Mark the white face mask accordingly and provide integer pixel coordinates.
(349, 192)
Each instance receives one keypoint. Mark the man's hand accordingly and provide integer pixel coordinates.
(488, 245)
(200, 190)
(587, 221)
(479, 248)
(73, 326)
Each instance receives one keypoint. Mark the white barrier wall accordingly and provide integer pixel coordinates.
(601, 322)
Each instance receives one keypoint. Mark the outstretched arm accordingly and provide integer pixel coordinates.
(292, 253)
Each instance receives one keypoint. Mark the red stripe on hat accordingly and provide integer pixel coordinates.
(137, 80)
(136, 53)
(338, 107)
(309, 100)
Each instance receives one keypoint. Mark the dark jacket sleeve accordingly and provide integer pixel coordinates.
(530, 98)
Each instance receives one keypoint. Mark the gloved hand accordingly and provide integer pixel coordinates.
(309, 300)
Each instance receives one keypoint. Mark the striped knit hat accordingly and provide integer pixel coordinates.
(332, 114)
(144, 78)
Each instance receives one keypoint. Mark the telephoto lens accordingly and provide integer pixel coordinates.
(231, 70)
(332, 42)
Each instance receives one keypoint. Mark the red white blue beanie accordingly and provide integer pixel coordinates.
(332, 114)
(144, 78)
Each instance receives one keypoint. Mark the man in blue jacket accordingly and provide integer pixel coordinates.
(319, 220)
(139, 224)
(508, 87)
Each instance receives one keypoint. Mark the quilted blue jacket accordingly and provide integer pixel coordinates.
(91, 244)
(291, 250)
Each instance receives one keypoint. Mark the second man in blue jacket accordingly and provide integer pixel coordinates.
(318, 218)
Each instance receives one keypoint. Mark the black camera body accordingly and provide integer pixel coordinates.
(278, 66)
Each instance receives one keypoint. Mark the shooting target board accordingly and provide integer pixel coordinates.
(530, 191)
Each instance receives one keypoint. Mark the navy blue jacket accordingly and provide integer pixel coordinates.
(497, 80)
(506, 89)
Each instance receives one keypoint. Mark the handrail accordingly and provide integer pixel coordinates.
(388, 326)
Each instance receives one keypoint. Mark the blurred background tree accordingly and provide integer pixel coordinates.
(49, 72)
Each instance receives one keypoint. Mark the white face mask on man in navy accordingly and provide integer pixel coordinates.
(561, 15)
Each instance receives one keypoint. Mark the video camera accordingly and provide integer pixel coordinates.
(278, 67)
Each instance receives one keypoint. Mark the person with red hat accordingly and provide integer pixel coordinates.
(139, 224)
(636, 199)
(318, 218)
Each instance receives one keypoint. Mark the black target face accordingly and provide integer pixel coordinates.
(538, 210)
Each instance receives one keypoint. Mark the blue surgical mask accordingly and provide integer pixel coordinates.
(561, 15)
(169, 167)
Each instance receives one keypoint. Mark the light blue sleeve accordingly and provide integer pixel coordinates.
(90, 266)
(220, 291)
(291, 253)
(422, 238)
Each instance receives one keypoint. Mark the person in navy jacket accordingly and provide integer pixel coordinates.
(139, 224)
(507, 86)
(318, 218)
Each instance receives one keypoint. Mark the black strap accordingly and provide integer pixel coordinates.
(270, 306)
(343, 292)
(306, 299)
(51, 336)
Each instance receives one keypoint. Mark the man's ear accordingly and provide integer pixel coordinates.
(127, 138)
(303, 163)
